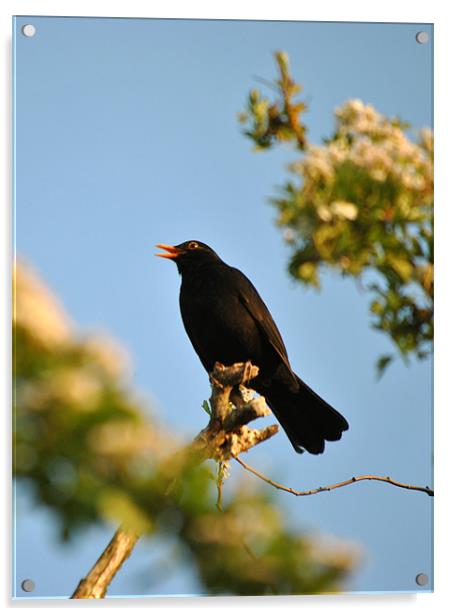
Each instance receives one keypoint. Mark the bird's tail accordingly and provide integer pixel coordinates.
(307, 419)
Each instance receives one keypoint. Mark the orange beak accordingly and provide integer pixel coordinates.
(171, 251)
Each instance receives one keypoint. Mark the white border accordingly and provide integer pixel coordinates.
(435, 11)
(322, 10)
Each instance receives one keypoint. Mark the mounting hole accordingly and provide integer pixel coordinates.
(28, 585)
(421, 579)
(422, 37)
(28, 30)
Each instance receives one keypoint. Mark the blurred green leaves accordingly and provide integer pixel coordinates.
(91, 451)
(360, 204)
(270, 122)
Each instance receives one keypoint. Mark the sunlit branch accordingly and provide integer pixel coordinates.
(95, 584)
(226, 436)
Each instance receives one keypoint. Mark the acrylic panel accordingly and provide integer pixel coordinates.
(301, 153)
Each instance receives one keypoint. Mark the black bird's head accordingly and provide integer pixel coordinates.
(188, 254)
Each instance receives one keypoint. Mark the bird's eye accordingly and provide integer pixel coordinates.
(193, 245)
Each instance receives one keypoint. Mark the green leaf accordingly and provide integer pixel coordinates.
(377, 307)
(206, 407)
(382, 363)
(402, 266)
(308, 273)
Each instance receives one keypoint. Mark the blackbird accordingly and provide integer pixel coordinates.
(227, 322)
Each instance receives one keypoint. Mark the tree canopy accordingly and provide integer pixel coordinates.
(91, 450)
(360, 204)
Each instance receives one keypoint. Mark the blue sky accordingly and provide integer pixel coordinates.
(126, 136)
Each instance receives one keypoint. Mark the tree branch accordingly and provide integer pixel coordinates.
(333, 486)
(227, 434)
(95, 585)
(225, 437)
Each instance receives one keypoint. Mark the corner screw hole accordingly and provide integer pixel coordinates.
(422, 37)
(28, 585)
(28, 30)
(421, 579)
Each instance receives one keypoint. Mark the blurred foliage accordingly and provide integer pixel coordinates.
(277, 121)
(91, 451)
(360, 204)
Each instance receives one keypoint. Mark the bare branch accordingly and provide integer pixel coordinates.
(226, 435)
(333, 486)
(95, 584)
(243, 415)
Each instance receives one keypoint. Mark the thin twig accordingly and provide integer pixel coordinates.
(333, 486)
(266, 82)
(221, 474)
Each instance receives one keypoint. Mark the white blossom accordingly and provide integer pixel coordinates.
(345, 209)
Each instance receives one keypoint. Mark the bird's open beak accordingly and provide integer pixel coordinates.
(171, 251)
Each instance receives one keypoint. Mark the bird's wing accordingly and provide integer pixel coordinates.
(197, 339)
(255, 306)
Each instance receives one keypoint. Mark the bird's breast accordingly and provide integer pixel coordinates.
(218, 325)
